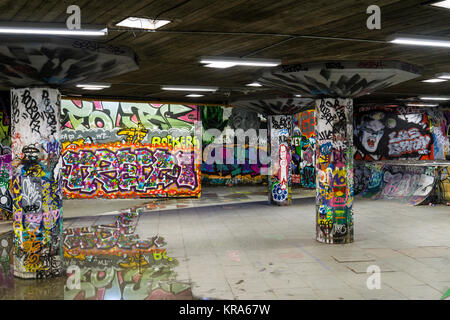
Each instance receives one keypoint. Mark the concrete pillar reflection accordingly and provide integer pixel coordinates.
(36, 182)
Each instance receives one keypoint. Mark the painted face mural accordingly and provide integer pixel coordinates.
(372, 130)
(125, 149)
(392, 133)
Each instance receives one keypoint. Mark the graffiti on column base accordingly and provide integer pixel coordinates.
(116, 170)
(334, 225)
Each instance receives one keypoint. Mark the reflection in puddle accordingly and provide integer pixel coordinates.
(110, 262)
(105, 262)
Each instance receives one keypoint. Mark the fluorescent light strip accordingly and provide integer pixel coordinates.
(421, 105)
(142, 23)
(93, 88)
(224, 62)
(187, 88)
(194, 95)
(254, 84)
(434, 98)
(442, 4)
(443, 76)
(422, 42)
(92, 85)
(434, 80)
(49, 31)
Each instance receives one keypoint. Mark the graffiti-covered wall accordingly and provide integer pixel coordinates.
(303, 146)
(227, 159)
(129, 149)
(440, 128)
(5, 158)
(411, 184)
(392, 133)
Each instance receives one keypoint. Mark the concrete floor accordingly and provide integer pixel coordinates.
(255, 251)
(210, 196)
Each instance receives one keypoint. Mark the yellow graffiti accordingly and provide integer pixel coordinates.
(134, 135)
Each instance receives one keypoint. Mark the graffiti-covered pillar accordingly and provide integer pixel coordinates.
(280, 162)
(36, 182)
(334, 167)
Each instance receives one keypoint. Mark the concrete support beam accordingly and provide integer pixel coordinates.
(280, 146)
(334, 170)
(36, 182)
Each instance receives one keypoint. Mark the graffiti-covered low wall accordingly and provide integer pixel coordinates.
(411, 184)
(129, 149)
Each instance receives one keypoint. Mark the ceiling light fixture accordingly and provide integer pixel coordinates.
(188, 88)
(434, 98)
(193, 95)
(441, 4)
(49, 29)
(443, 76)
(227, 62)
(94, 85)
(142, 23)
(420, 40)
(418, 104)
(298, 95)
(434, 80)
(93, 88)
(254, 84)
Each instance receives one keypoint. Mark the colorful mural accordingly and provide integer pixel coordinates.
(234, 148)
(411, 184)
(440, 127)
(392, 133)
(36, 182)
(334, 167)
(303, 149)
(280, 145)
(130, 149)
(5, 160)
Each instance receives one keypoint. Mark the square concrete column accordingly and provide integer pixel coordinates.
(334, 170)
(280, 164)
(36, 182)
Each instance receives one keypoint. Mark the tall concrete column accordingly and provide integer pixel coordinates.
(334, 167)
(280, 152)
(36, 182)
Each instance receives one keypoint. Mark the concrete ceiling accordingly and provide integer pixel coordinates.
(249, 28)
